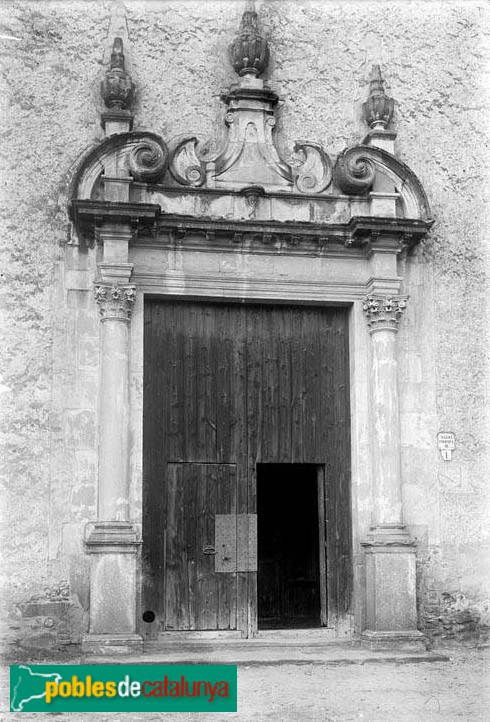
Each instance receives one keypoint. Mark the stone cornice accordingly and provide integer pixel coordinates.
(360, 232)
(98, 211)
(88, 216)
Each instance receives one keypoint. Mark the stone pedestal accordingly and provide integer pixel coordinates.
(113, 549)
(391, 608)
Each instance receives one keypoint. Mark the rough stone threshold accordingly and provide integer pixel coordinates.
(269, 648)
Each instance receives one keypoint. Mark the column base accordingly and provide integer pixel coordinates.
(404, 641)
(111, 536)
(112, 644)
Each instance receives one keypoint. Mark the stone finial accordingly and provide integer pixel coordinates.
(249, 52)
(378, 108)
(117, 87)
(383, 313)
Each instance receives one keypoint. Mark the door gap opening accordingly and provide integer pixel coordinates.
(288, 546)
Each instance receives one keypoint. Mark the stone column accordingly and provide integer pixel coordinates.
(111, 540)
(391, 612)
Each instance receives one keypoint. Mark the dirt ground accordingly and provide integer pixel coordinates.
(457, 689)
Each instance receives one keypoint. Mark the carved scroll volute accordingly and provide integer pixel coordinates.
(354, 172)
(185, 164)
(148, 160)
(311, 167)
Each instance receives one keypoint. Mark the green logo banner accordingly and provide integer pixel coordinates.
(123, 688)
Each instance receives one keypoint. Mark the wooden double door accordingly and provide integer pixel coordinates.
(246, 493)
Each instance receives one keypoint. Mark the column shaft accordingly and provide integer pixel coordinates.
(386, 420)
(113, 421)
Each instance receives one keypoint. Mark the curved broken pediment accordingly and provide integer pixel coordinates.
(363, 168)
(136, 155)
(247, 180)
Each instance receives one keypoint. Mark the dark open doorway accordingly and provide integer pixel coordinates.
(289, 594)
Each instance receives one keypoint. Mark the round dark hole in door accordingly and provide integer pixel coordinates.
(149, 617)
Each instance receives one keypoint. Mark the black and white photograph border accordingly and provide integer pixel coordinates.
(245, 339)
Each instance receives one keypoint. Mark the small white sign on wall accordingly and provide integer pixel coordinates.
(446, 441)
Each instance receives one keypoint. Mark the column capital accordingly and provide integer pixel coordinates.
(383, 312)
(115, 300)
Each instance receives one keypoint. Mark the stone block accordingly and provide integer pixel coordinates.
(87, 321)
(75, 259)
(88, 388)
(77, 299)
(88, 352)
(44, 608)
(80, 427)
(78, 281)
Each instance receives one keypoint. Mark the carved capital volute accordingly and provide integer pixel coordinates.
(115, 301)
(383, 313)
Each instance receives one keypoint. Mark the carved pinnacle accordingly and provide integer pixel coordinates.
(378, 108)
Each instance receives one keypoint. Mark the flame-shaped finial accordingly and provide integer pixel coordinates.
(117, 87)
(378, 108)
(249, 52)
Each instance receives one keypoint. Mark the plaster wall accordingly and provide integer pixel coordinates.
(435, 60)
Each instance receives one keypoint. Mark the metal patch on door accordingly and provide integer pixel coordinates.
(225, 543)
(235, 543)
(246, 543)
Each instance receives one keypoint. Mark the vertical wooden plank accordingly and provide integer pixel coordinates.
(153, 484)
(207, 585)
(254, 428)
(207, 373)
(176, 587)
(328, 440)
(186, 360)
(312, 319)
(267, 335)
(284, 385)
(297, 400)
(322, 546)
(223, 373)
(227, 583)
(172, 367)
(344, 524)
(254, 377)
(240, 442)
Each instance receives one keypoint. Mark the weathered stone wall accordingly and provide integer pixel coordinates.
(435, 60)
